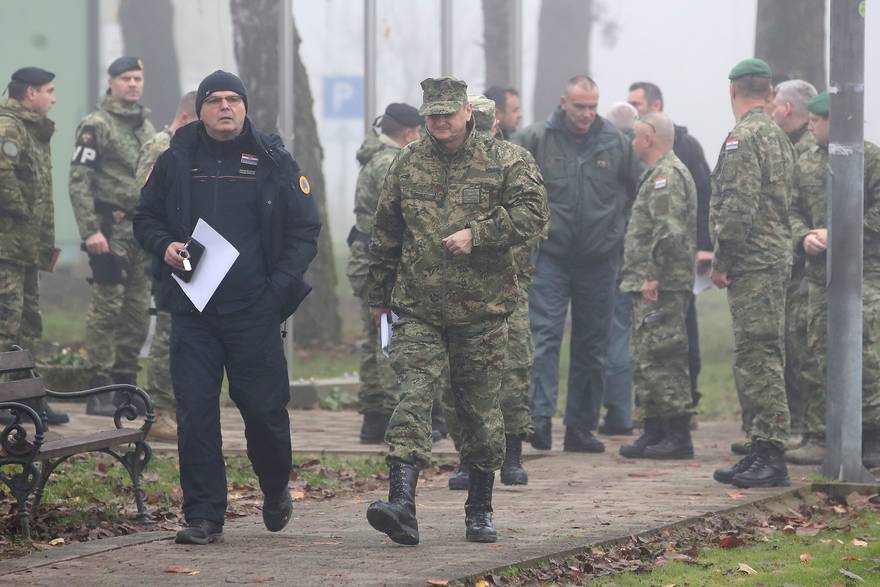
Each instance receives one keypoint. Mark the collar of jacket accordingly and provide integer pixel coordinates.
(466, 149)
(797, 133)
(133, 113)
(186, 141)
(42, 126)
(756, 111)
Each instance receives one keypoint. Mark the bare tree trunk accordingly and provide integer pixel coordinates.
(148, 33)
(256, 49)
(564, 32)
(496, 42)
(790, 36)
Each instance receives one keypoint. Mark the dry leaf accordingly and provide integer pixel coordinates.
(747, 569)
(807, 531)
(481, 583)
(182, 571)
(438, 582)
(297, 495)
(850, 558)
(806, 557)
(56, 542)
(855, 542)
(735, 494)
(730, 542)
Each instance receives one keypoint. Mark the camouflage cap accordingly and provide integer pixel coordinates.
(484, 112)
(752, 66)
(819, 104)
(442, 95)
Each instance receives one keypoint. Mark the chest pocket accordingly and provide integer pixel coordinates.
(477, 194)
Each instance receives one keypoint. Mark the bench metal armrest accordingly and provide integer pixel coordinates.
(126, 409)
(13, 439)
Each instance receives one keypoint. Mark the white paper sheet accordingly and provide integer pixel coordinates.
(702, 282)
(386, 331)
(215, 263)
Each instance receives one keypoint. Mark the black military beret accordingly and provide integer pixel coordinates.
(404, 114)
(33, 76)
(123, 64)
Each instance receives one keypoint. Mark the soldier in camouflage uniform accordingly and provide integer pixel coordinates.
(378, 393)
(27, 225)
(452, 205)
(809, 229)
(751, 200)
(158, 364)
(658, 265)
(104, 192)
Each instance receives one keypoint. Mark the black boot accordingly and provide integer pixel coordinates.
(652, 433)
(397, 516)
(53, 417)
(373, 428)
(478, 508)
(871, 448)
(461, 479)
(439, 430)
(767, 469)
(512, 472)
(727, 475)
(581, 440)
(277, 510)
(676, 443)
(101, 404)
(200, 532)
(542, 438)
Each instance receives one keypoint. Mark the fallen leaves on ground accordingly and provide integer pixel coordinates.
(182, 571)
(743, 567)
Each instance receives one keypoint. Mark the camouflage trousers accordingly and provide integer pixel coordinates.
(757, 308)
(20, 320)
(473, 356)
(797, 353)
(117, 320)
(659, 351)
(159, 364)
(814, 421)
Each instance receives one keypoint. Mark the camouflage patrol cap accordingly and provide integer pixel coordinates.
(484, 112)
(819, 104)
(752, 66)
(123, 64)
(442, 95)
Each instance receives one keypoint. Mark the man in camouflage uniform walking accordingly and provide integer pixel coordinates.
(27, 224)
(518, 361)
(158, 363)
(452, 205)
(378, 393)
(104, 192)
(810, 232)
(657, 272)
(751, 200)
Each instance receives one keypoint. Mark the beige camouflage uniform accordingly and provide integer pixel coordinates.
(660, 246)
(453, 309)
(104, 192)
(749, 214)
(27, 226)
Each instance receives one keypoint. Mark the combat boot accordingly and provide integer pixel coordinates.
(541, 438)
(727, 475)
(652, 433)
(676, 443)
(741, 448)
(439, 430)
(164, 429)
(461, 479)
(811, 452)
(373, 427)
(581, 440)
(478, 507)
(767, 469)
(512, 472)
(397, 516)
(871, 448)
(53, 417)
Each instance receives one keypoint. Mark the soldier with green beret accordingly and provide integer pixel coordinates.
(810, 235)
(749, 214)
(452, 206)
(104, 192)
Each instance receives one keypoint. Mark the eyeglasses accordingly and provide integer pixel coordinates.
(233, 100)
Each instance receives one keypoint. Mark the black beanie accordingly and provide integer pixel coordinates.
(219, 81)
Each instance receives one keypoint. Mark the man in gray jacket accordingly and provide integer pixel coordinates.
(590, 174)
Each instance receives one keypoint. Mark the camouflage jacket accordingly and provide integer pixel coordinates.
(102, 170)
(809, 210)
(802, 140)
(27, 223)
(660, 240)
(752, 188)
(149, 153)
(375, 156)
(429, 195)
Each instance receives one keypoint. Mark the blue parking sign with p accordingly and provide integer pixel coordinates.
(344, 96)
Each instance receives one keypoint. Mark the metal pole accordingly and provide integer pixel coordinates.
(286, 105)
(446, 37)
(370, 55)
(515, 45)
(843, 436)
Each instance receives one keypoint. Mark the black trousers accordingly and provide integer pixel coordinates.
(247, 345)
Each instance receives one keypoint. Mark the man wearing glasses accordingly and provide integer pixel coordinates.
(246, 186)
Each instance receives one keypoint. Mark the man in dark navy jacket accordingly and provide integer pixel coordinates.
(246, 186)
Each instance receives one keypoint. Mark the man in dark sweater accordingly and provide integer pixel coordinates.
(243, 184)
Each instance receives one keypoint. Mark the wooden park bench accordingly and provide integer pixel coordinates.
(29, 453)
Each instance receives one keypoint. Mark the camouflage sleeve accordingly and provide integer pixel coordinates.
(804, 188)
(83, 167)
(369, 185)
(524, 211)
(146, 159)
(12, 200)
(386, 243)
(638, 263)
(735, 203)
(872, 187)
(670, 227)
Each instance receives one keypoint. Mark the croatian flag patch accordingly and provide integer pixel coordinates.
(660, 183)
(248, 159)
(731, 145)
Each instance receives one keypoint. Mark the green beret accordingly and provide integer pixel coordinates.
(123, 64)
(752, 66)
(484, 112)
(33, 76)
(819, 104)
(442, 95)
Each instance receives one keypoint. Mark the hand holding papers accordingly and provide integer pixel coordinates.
(217, 259)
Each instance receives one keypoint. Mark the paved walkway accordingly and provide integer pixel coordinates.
(572, 500)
